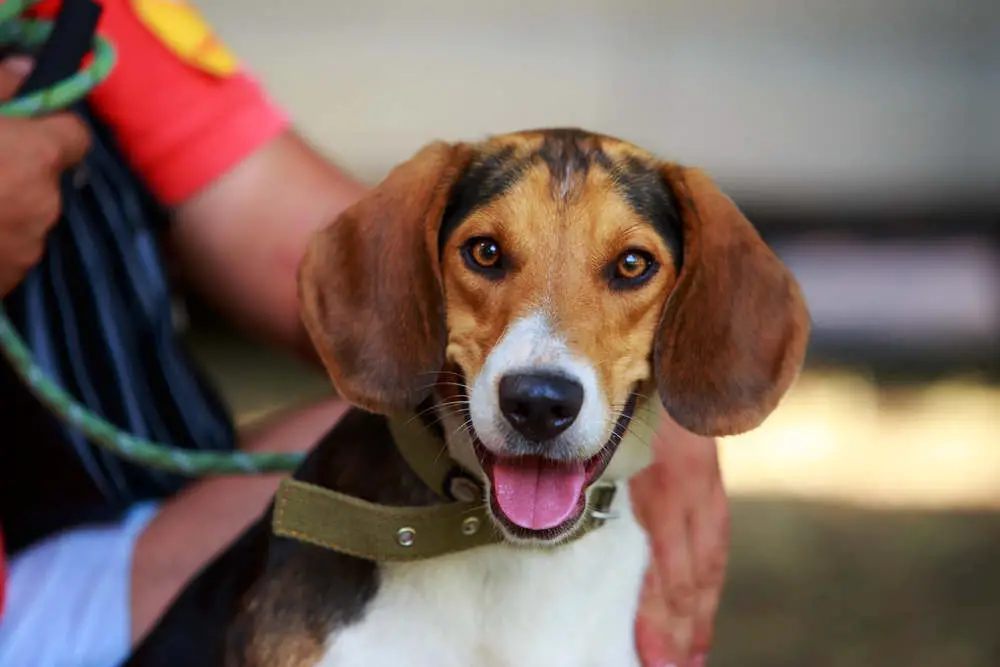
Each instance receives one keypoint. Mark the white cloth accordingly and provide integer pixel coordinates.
(68, 597)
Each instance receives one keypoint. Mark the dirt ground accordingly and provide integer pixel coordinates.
(822, 585)
(865, 525)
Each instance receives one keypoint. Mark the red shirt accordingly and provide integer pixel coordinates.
(180, 107)
(179, 124)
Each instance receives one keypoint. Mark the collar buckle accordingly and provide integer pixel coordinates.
(602, 496)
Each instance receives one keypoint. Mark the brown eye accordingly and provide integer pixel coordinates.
(631, 269)
(483, 254)
(631, 265)
(486, 253)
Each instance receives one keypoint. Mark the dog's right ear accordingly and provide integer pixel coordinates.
(734, 332)
(370, 285)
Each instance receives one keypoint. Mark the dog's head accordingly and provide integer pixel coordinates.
(558, 278)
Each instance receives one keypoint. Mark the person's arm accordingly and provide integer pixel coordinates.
(240, 240)
(681, 502)
(245, 190)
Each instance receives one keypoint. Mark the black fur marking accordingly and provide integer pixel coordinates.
(267, 597)
(487, 178)
(647, 193)
(569, 154)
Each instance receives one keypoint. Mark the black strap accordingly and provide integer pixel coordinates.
(70, 41)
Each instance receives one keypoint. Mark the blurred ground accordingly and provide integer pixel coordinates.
(865, 530)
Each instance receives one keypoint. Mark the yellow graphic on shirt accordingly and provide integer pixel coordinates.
(182, 28)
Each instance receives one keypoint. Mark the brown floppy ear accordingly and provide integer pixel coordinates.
(733, 334)
(370, 285)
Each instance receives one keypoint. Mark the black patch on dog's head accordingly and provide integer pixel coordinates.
(644, 189)
(488, 177)
(569, 154)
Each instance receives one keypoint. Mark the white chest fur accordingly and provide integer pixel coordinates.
(500, 606)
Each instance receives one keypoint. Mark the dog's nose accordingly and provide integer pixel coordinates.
(540, 405)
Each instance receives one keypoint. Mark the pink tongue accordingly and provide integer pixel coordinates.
(537, 493)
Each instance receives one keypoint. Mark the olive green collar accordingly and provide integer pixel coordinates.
(383, 533)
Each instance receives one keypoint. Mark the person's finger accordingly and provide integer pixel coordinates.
(13, 70)
(659, 504)
(68, 135)
(710, 545)
(652, 638)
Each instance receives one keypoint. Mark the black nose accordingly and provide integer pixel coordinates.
(540, 405)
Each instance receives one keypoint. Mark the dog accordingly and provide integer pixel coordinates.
(521, 304)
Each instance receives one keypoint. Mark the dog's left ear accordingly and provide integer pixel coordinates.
(733, 335)
(370, 285)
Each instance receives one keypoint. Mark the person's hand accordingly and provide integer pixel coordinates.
(681, 502)
(33, 155)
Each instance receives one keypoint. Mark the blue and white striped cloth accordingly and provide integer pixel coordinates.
(97, 315)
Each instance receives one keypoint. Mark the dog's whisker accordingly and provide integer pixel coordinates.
(464, 425)
(440, 412)
(464, 387)
(442, 452)
(644, 441)
(436, 420)
(451, 403)
(422, 413)
(451, 374)
(444, 449)
(453, 412)
(606, 457)
(435, 385)
(443, 404)
(650, 430)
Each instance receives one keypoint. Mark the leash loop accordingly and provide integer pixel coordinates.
(31, 34)
(65, 93)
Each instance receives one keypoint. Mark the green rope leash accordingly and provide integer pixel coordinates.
(27, 33)
(65, 93)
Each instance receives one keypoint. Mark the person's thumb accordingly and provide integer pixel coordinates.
(13, 71)
(69, 136)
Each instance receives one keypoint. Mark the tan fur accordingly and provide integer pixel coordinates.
(560, 249)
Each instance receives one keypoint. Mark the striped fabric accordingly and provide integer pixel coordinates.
(97, 314)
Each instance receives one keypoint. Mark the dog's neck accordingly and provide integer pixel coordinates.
(423, 444)
(333, 515)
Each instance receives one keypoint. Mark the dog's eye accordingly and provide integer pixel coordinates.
(631, 265)
(483, 253)
(631, 269)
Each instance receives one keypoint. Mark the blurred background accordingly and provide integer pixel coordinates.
(862, 138)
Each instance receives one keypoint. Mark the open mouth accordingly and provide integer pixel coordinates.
(535, 497)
